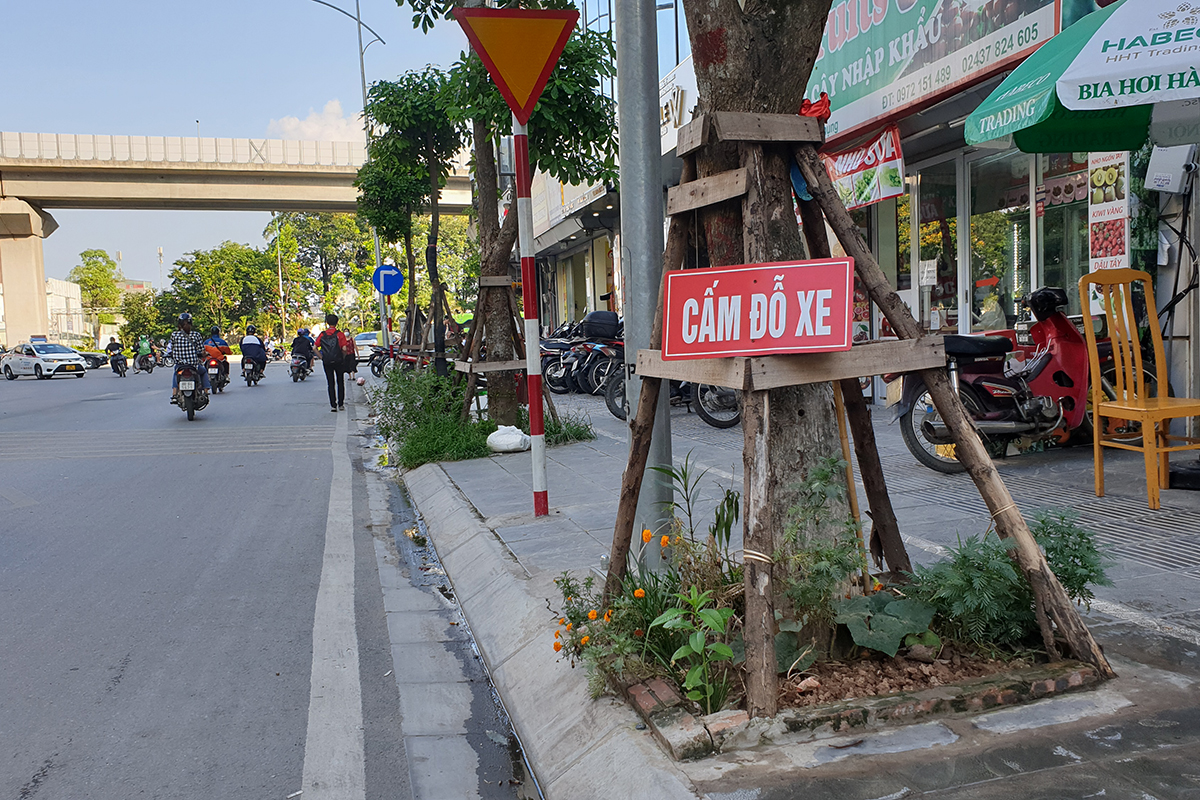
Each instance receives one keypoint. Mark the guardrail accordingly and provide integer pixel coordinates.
(179, 150)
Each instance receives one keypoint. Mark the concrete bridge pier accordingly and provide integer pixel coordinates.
(22, 272)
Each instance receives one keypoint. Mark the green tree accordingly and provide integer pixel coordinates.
(142, 318)
(230, 283)
(97, 276)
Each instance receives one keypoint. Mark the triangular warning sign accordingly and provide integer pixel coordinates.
(519, 48)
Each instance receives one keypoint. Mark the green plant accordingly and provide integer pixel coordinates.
(1072, 553)
(816, 574)
(420, 411)
(571, 426)
(882, 622)
(979, 594)
(704, 627)
(686, 484)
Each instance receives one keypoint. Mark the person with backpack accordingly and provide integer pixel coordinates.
(337, 357)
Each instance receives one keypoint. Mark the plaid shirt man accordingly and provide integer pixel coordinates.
(187, 348)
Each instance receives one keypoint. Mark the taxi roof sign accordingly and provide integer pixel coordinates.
(519, 47)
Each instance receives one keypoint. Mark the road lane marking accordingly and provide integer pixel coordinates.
(334, 765)
(17, 498)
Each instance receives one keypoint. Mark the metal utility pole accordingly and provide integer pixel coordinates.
(279, 269)
(642, 230)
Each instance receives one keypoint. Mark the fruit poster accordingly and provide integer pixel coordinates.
(871, 172)
(1108, 210)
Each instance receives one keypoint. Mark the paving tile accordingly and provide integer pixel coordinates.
(435, 709)
(406, 627)
(434, 662)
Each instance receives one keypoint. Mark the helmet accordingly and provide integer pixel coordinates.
(215, 331)
(303, 331)
(251, 329)
(185, 317)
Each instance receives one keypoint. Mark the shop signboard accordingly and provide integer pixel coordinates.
(879, 58)
(759, 309)
(1108, 210)
(870, 172)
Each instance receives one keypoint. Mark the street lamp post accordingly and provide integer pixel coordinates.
(362, 71)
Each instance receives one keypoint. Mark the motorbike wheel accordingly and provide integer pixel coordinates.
(557, 378)
(718, 406)
(599, 372)
(295, 378)
(168, 361)
(377, 368)
(1128, 431)
(614, 394)
(582, 379)
(189, 405)
(938, 457)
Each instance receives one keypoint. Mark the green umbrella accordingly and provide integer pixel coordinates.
(1109, 75)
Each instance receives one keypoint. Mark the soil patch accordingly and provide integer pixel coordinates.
(869, 677)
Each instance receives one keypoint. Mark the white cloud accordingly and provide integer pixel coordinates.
(327, 125)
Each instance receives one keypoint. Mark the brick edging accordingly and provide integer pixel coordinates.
(686, 736)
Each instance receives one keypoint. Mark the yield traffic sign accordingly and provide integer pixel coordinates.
(388, 279)
(519, 47)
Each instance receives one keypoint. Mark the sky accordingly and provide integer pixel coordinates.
(281, 69)
(244, 69)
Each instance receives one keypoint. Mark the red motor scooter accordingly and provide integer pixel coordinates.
(1045, 398)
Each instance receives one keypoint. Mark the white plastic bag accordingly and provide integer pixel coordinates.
(508, 439)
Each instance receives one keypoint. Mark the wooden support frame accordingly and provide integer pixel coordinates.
(479, 367)
(772, 372)
(502, 281)
(739, 126)
(706, 191)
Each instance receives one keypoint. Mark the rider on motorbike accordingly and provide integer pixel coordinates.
(253, 347)
(145, 353)
(303, 346)
(112, 349)
(218, 348)
(188, 349)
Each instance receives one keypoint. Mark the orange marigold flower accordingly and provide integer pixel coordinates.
(583, 642)
(665, 542)
(647, 535)
(639, 593)
(569, 626)
(592, 614)
(608, 615)
(557, 646)
(562, 620)
(557, 633)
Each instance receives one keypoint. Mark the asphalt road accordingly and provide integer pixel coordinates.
(158, 581)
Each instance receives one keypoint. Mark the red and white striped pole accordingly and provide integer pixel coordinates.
(529, 293)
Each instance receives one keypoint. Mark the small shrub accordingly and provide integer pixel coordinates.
(1072, 552)
(881, 622)
(420, 411)
(571, 426)
(445, 439)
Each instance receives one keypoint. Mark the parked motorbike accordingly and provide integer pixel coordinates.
(191, 397)
(218, 372)
(119, 363)
(1044, 397)
(716, 405)
(379, 360)
(252, 371)
(300, 368)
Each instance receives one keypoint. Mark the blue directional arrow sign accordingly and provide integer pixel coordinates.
(388, 279)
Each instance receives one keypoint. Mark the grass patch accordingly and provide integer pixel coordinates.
(572, 426)
(420, 412)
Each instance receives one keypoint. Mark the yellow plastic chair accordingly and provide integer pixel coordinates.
(1128, 398)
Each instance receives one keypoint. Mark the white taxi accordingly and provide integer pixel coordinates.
(42, 360)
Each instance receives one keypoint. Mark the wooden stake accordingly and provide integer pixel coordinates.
(1050, 601)
(642, 424)
(839, 408)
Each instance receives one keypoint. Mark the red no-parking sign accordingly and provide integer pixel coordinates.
(759, 309)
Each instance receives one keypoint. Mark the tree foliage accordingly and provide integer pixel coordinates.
(97, 276)
(233, 284)
(142, 318)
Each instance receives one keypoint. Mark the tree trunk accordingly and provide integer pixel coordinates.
(758, 59)
(410, 322)
(1050, 601)
(495, 245)
(439, 324)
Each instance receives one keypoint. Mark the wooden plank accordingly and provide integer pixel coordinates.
(706, 191)
(495, 280)
(728, 372)
(736, 126)
(771, 372)
(692, 136)
(490, 366)
(860, 361)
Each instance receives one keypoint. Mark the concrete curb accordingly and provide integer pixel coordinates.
(573, 744)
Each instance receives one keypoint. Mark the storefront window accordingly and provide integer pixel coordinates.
(999, 243)
(1063, 225)
(938, 246)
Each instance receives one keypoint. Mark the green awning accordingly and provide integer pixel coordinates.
(1026, 105)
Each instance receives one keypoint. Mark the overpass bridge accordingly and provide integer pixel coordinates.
(51, 171)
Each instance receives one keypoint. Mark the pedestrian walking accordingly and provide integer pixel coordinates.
(338, 358)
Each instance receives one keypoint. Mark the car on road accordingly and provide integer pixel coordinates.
(363, 343)
(94, 360)
(42, 360)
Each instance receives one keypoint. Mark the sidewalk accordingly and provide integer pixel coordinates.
(502, 562)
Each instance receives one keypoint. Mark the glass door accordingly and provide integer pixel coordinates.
(999, 242)
(935, 246)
